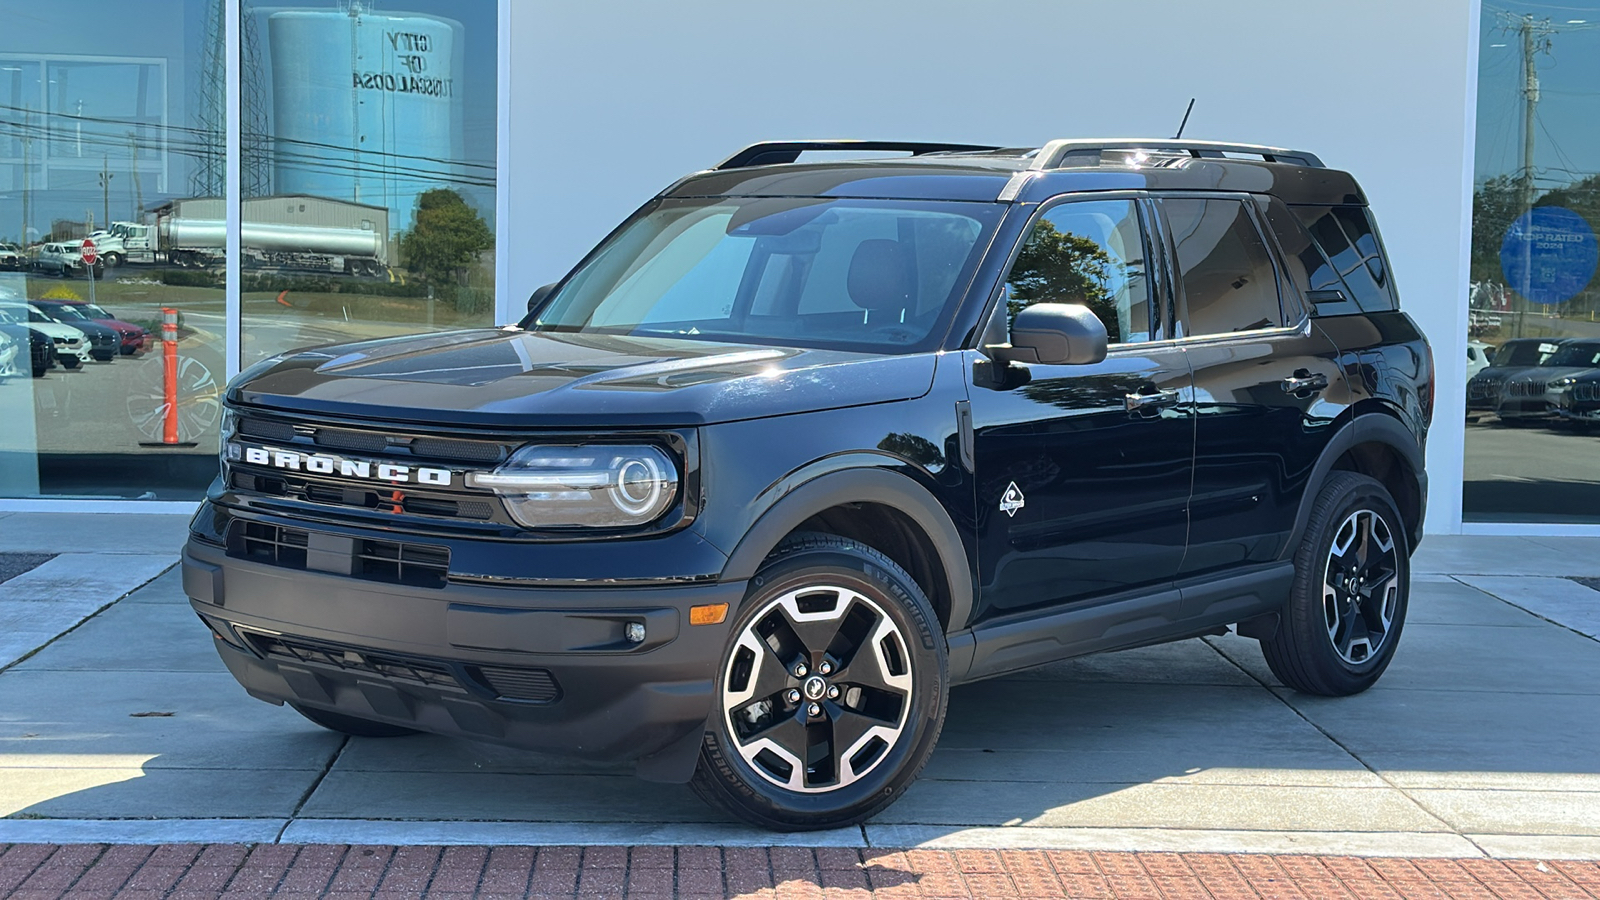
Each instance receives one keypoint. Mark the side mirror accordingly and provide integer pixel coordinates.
(538, 296)
(1055, 334)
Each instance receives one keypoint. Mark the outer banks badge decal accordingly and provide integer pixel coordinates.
(1012, 500)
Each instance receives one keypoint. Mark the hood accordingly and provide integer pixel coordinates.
(518, 379)
(1502, 374)
(57, 330)
(119, 326)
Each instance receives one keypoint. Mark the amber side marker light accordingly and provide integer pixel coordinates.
(710, 614)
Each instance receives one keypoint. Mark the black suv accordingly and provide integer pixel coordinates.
(802, 444)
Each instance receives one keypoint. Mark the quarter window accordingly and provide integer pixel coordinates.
(1228, 280)
(1090, 253)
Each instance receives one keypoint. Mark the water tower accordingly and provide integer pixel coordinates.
(367, 106)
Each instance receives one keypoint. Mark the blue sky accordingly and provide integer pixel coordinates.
(1567, 134)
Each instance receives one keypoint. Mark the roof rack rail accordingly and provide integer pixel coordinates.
(769, 153)
(1052, 154)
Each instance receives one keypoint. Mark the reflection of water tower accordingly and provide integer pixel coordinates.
(366, 106)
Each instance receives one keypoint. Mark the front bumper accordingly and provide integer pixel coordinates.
(547, 669)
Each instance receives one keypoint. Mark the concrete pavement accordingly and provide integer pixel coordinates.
(1480, 740)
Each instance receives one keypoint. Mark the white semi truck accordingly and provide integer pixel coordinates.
(307, 234)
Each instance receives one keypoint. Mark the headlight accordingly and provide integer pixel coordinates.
(591, 486)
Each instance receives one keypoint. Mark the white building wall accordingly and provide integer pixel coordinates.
(610, 102)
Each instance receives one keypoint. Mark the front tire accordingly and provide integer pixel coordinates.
(831, 693)
(1352, 583)
(350, 724)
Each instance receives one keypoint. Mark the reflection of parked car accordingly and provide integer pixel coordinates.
(1527, 394)
(12, 257)
(41, 349)
(59, 258)
(1577, 399)
(13, 351)
(105, 342)
(70, 345)
(135, 338)
(1484, 389)
(1479, 355)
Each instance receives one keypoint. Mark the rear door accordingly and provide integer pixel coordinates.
(1083, 471)
(1267, 383)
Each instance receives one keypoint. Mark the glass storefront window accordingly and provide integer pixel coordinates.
(367, 155)
(101, 127)
(369, 170)
(1533, 394)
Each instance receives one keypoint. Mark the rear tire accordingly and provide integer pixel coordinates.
(351, 725)
(1352, 582)
(834, 741)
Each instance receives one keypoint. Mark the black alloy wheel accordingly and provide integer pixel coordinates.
(832, 691)
(1347, 607)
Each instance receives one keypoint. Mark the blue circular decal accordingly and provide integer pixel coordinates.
(1549, 254)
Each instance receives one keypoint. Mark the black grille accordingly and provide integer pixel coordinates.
(1526, 389)
(392, 562)
(526, 685)
(352, 659)
(464, 451)
(266, 428)
(270, 544)
(342, 496)
(418, 565)
(359, 441)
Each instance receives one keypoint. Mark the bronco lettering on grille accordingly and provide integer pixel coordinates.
(330, 464)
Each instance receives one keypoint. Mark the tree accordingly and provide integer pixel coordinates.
(445, 240)
(1056, 267)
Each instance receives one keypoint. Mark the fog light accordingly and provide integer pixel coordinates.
(634, 632)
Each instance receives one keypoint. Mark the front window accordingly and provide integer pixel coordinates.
(871, 275)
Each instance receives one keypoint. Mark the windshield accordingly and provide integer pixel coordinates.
(65, 312)
(878, 275)
(1583, 355)
(1524, 353)
(94, 312)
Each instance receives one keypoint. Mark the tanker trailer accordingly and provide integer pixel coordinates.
(308, 234)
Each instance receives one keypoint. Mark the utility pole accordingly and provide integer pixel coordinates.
(133, 170)
(1535, 34)
(105, 188)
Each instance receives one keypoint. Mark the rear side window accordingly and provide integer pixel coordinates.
(1229, 283)
(1347, 244)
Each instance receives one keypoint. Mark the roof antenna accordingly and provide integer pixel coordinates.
(1185, 122)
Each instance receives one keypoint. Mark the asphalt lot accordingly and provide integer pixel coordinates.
(1479, 740)
(1537, 472)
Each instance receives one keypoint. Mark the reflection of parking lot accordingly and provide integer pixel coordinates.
(1535, 472)
(98, 427)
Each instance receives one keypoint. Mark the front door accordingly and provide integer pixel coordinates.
(1083, 471)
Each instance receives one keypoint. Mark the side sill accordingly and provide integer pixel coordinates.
(1172, 613)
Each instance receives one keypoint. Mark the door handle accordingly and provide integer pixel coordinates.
(1303, 382)
(1157, 400)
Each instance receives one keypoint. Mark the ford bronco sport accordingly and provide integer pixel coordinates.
(802, 444)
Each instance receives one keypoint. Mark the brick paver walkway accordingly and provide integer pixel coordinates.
(200, 872)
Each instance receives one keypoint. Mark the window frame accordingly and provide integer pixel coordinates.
(1159, 300)
(1292, 311)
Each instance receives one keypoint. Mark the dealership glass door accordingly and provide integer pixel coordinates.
(1533, 390)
